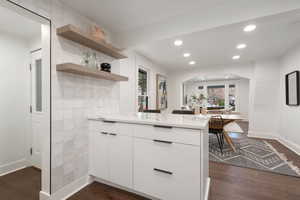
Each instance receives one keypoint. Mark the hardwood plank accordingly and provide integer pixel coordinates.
(74, 34)
(230, 182)
(97, 191)
(24, 184)
(84, 71)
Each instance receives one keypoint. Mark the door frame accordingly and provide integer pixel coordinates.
(46, 26)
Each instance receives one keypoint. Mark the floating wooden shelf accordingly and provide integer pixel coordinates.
(74, 34)
(84, 71)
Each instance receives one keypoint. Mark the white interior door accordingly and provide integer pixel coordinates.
(37, 107)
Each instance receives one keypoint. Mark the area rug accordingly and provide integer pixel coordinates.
(252, 153)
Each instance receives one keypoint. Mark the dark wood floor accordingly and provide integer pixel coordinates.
(97, 191)
(24, 184)
(228, 183)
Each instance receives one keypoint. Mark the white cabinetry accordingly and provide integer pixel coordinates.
(169, 171)
(111, 153)
(160, 161)
(120, 160)
(99, 162)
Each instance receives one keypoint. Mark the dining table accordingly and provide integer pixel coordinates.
(227, 119)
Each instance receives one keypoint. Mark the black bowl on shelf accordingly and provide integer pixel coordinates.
(106, 67)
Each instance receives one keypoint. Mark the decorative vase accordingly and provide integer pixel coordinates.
(97, 33)
(86, 58)
(93, 61)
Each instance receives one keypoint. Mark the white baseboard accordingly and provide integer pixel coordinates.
(290, 145)
(71, 189)
(44, 195)
(206, 195)
(12, 167)
(267, 135)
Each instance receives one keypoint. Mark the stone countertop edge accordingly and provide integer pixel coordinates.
(199, 124)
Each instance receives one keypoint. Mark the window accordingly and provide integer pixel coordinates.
(38, 85)
(193, 94)
(142, 89)
(211, 96)
(232, 96)
(216, 96)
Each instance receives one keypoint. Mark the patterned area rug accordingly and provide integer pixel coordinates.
(252, 153)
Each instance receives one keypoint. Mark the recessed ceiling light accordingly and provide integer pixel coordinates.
(178, 42)
(250, 28)
(192, 62)
(236, 57)
(186, 55)
(241, 46)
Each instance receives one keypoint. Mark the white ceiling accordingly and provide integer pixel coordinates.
(134, 22)
(215, 47)
(13, 23)
(123, 15)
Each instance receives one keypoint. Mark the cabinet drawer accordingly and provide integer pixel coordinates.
(167, 171)
(178, 135)
(109, 127)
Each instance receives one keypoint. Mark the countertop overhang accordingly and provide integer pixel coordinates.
(168, 120)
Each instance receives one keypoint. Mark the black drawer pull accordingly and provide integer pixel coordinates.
(162, 141)
(105, 121)
(104, 133)
(160, 126)
(113, 134)
(163, 171)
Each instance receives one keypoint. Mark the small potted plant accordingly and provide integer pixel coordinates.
(197, 101)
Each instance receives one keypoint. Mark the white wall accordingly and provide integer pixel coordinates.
(14, 102)
(128, 90)
(243, 94)
(177, 78)
(263, 113)
(289, 125)
(35, 43)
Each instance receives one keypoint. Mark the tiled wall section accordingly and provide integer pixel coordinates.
(74, 97)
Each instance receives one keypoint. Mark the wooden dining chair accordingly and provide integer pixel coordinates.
(216, 127)
(183, 112)
(231, 127)
(151, 111)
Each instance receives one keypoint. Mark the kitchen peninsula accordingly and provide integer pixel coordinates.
(158, 156)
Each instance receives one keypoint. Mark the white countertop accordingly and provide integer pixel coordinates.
(179, 121)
